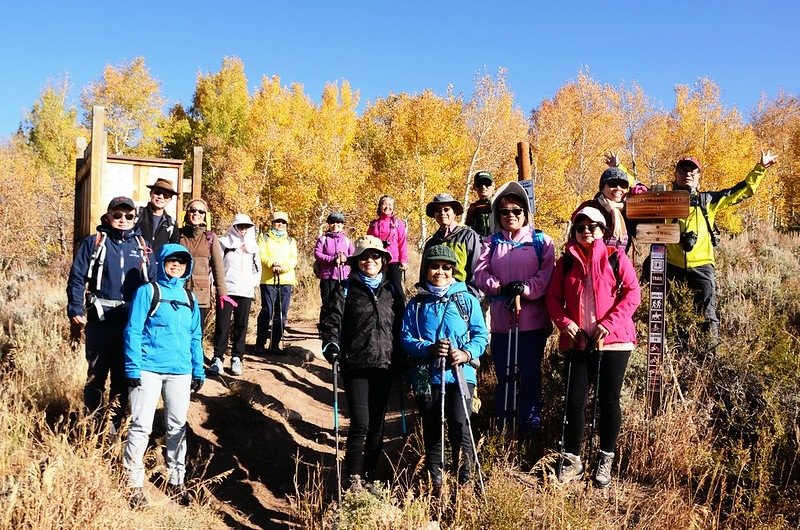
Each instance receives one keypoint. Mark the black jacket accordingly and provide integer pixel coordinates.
(366, 326)
(167, 231)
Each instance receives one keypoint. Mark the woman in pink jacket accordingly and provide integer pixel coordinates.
(516, 262)
(392, 231)
(592, 299)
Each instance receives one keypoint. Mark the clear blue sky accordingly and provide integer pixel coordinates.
(382, 47)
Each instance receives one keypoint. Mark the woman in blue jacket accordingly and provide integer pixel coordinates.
(444, 323)
(163, 357)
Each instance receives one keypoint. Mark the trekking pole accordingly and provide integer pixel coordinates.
(403, 405)
(515, 371)
(443, 361)
(599, 349)
(565, 421)
(277, 318)
(464, 390)
(508, 371)
(336, 430)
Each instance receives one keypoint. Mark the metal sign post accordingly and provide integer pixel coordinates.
(655, 205)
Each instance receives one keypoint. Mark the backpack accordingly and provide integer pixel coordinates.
(537, 244)
(156, 301)
(613, 260)
(99, 258)
(316, 268)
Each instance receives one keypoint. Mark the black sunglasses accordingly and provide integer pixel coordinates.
(183, 260)
(443, 266)
(374, 256)
(119, 215)
(591, 227)
(162, 192)
(509, 211)
(195, 210)
(618, 183)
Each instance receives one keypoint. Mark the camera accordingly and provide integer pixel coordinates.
(714, 238)
(688, 241)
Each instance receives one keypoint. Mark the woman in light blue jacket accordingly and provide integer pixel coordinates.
(444, 323)
(163, 358)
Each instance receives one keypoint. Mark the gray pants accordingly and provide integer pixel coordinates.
(175, 390)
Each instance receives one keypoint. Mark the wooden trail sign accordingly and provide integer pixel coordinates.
(656, 325)
(658, 233)
(658, 205)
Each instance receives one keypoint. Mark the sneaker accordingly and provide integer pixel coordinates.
(216, 366)
(179, 494)
(571, 468)
(236, 366)
(138, 500)
(603, 475)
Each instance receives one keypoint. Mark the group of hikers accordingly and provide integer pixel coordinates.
(144, 318)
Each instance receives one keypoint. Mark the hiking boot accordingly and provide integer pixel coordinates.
(571, 468)
(179, 494)
(138, 500)
(603, 475)
(236, 366)
(216, 366)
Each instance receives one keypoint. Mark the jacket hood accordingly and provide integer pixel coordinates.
(509, 188)
(168, 250)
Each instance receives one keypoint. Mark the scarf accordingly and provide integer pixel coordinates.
(372, 282)
(439, 292)
(277, 233)
(618, 228)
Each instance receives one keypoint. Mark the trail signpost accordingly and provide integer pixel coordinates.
(656, 206)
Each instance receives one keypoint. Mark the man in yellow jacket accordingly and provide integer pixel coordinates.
(692, 259)
(278, 252)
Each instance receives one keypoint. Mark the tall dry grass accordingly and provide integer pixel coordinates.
(722, 453)
(56, 471)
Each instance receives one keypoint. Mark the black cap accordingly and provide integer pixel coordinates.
(121, 201)
(483, 176)
(335, 217)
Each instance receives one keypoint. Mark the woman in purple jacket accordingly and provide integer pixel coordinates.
(331, 252)
(516, 263)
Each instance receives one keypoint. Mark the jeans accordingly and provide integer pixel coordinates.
(105, 355)
(583, 375)
(241, 314)
(367, 392)
(175, 390)
(527, 385)
(457, 429)
(269, 294)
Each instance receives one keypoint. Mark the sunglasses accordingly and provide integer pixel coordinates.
(183, 260)
(483, 185)
(374, 256)
(618, 183)
(511, 211)
(119, 215)
(195, 210)
(442, 209)
(279, 222)
(591, 227)
(442, 266)
(163, 193)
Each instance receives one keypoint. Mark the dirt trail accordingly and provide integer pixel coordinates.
(254, 427)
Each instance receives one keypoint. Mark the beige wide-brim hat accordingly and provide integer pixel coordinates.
(242, 219)
(364, 243)
(280, 216)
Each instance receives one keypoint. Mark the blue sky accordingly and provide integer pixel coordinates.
(382, 47)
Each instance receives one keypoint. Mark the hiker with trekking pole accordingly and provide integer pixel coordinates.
(360, 336)
(278, 251)
(330, 258)
(591, 299)
(516, 262)
(242, 272)
(443, 326)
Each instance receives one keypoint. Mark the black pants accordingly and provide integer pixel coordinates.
(267, 321)
(367, 392)
(204, 311)
(457, 429)
(702, 281)
(584, 372)
(395, 275)
(241, 314)
(105, 348)
(325, 290)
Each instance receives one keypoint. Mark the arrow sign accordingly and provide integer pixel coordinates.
(658, 233)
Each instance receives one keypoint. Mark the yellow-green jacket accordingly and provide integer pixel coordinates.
(714, 201)
(280, 250)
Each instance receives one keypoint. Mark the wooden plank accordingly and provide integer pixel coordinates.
(99, 143)
(523, 161)
(659, 233)
(197, 171)
(658, 205)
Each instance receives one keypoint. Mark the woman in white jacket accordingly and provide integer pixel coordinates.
(242, 275)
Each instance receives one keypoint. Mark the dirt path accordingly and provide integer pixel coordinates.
(251, 430)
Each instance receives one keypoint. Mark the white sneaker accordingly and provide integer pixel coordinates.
(216, 366)
(571, 468)
(603, 474)
(236, 366)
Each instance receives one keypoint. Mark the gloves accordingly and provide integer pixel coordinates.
(134, 382)
(512, 289)
(225, 298)
(331, 352)
(197, 384)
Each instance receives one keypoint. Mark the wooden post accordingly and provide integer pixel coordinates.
(197, 171)
(523, 161)
(97, 158)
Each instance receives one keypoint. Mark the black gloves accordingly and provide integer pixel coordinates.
(197, 384)
(134, 382)
(331, 352)
(512, 289)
